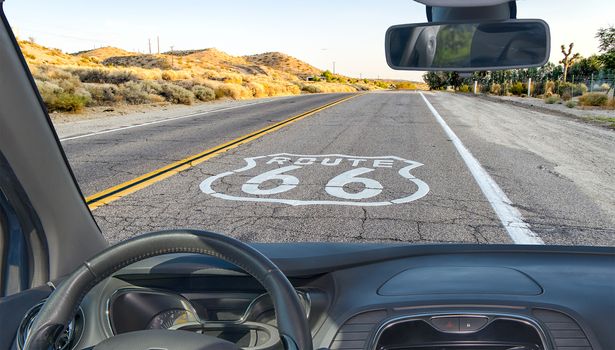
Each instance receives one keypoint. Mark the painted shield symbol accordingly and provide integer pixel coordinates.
(329, 179)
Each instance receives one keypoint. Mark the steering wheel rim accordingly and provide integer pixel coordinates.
(63, 303)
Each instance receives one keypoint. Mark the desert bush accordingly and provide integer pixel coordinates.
(105, 76)
(258, 89)
(611, 103)
(571, 104)
(61, 101)
(605, 87)
(135, 93)
(517, 88)
(173, 75)
(566, 96)
(233, 79)
(552, 99)
(177, 94)
(66, 102)
(496, 89)
(594, 99)
(102, 94)
(464, 88)
(203, 93)
(549, 88)
(233, 91)
(405, 86)
(311, 88)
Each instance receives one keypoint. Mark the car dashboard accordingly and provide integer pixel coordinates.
(382, 297)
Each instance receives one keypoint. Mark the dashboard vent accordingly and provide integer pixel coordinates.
(354, 334)
(565, 332)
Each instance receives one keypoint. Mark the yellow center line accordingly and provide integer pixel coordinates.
(116, 192)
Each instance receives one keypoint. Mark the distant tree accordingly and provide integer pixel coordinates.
(606, 39)
(31, 39)
(436, 80)
(569, 59)
(328, 76)
(586, 67)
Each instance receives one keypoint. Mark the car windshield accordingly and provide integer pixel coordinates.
(281, 121)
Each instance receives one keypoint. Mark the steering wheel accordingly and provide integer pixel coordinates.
(63, 303)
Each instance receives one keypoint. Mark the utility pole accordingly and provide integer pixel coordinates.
(149, 44)
(158, 42)
(529, 87)
(333, 67)
(172, 61)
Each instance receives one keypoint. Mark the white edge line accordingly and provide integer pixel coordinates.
(168, 119)
(512, 220)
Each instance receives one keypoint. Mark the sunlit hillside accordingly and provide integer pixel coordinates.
(110, 76)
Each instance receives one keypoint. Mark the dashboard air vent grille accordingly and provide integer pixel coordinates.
(565, 332)
(354, 334)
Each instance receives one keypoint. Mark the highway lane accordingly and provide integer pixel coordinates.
(104, 160)
(377, 168)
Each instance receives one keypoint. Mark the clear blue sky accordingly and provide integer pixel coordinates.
(351, 33)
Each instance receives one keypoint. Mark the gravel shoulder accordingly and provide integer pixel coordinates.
(580, 152)
(594, 115)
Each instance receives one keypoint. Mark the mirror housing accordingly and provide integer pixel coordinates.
(468, 46)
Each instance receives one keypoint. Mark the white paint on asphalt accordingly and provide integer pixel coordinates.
(192, 115)
(335, 187)
(512, 220)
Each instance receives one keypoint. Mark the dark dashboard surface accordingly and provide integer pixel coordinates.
(357, 294)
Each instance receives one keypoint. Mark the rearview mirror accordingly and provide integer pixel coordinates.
(468, 47)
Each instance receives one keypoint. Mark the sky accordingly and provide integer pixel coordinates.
(320, 32)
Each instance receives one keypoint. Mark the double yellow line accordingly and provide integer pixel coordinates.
(116, 192)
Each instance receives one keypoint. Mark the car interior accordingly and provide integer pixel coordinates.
(62, 286)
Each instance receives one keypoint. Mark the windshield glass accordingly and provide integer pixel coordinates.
(281, 122)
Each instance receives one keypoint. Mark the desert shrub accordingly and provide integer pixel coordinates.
(233, 79)
(496, 89)
(105, 76)
(582, 87)
(258, 89)
(233, 91)
(464, 88)
(151, 87)
(203, 93)
(177, 94)
(65, 102)
(134, 93)
(611, 103)
(552, 99)
(310, 88)
(517, 88)
(362, 87)
(102, 94)
(172, 75)
(605, 87)
(58, 99)
(406, 85)
(566, 96)
(549, 88)
(594, 99)
(571, 104)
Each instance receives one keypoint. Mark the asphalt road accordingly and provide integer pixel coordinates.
(380, 167)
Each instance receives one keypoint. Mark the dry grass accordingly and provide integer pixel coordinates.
(109, 76)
